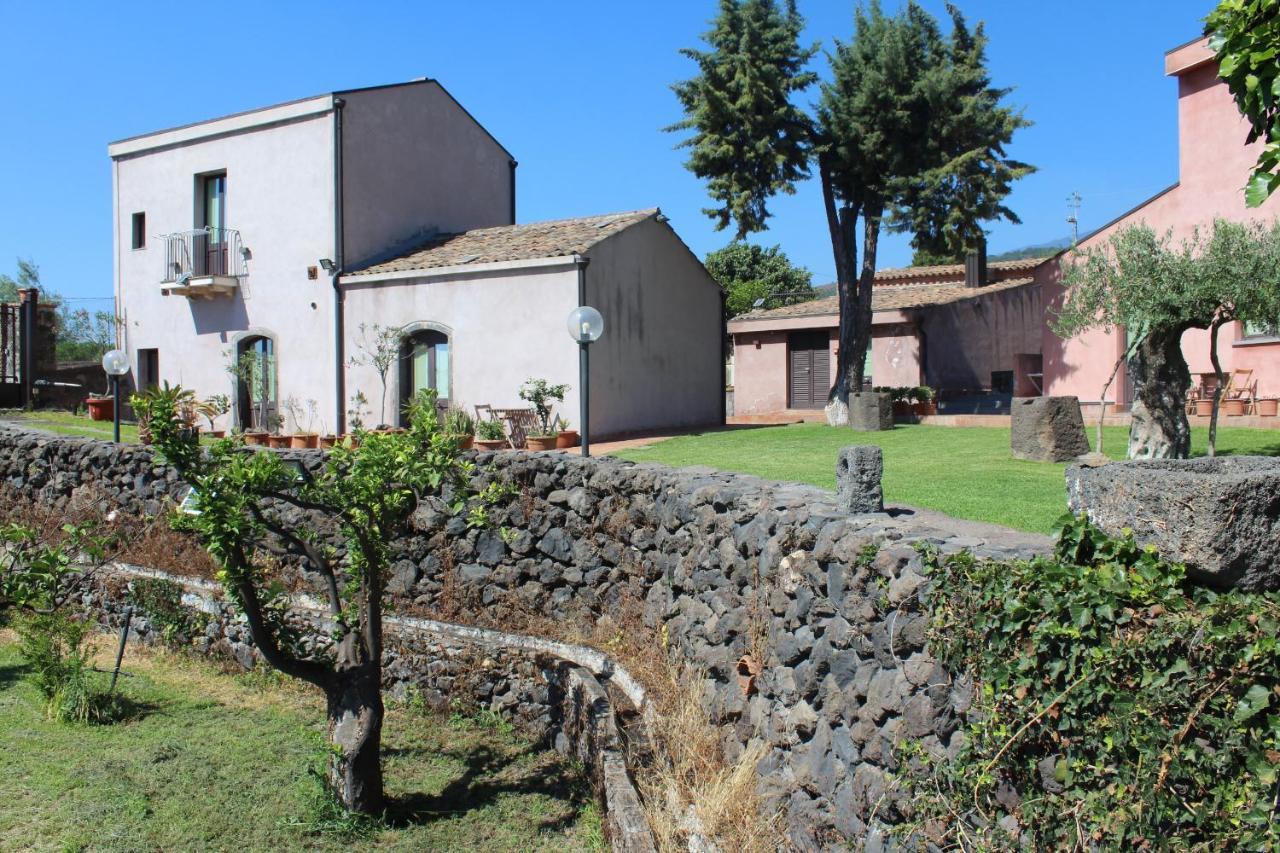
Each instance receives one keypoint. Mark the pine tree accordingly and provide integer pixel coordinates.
(749, 142)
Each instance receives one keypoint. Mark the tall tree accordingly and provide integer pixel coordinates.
(749, 141)
(1245, 35)
(908, 133)
(749, 273)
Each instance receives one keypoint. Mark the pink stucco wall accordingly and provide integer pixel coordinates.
(1214, 164)
(760, 364)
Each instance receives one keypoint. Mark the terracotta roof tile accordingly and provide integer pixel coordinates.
(894, 298)
(550, 239)
(994, 268)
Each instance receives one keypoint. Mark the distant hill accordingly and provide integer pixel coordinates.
(1041, 251)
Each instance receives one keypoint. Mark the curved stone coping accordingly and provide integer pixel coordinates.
(590, 724)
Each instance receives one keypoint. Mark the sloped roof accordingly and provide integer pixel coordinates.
(893, 298)
(551, 239)
(995, 269)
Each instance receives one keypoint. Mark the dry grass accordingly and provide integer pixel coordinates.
(689, 776)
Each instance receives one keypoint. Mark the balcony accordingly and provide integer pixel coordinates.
(206, 263)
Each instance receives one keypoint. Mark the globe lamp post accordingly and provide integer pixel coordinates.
(585, 326)
(116, 363)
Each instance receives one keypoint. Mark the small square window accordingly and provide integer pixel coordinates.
(139, 230)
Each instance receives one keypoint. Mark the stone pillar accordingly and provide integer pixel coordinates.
(858, 471)
(870, 411)
(1047, 429)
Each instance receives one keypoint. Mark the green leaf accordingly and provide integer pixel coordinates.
(1258, 190)
(1255, 700)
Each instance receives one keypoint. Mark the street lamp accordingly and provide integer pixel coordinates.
(116, 363)
(585, 326)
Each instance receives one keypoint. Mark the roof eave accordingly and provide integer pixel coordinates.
(456, 270)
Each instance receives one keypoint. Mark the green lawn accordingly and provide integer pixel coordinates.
(962, 471)
(66, 423)
(218, 762)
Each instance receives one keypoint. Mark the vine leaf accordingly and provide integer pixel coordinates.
(1256, 699)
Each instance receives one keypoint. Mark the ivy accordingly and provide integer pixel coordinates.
(1118, 707)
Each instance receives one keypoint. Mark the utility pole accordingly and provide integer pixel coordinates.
(1073, 216)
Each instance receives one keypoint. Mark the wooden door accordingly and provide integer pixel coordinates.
(809, 373)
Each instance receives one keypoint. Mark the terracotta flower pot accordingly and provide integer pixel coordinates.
(902, 409)
(304, 441)
(278, 442)
(925, 409)
(1267, 408)
(1233, 407)
(255, 438)
(328, 442)
(567, 438)
(214, 433)
(464, 441)
(1204, 408)
(540, 442)
(101, 408)
(490, 443)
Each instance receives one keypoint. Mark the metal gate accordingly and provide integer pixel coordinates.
(11, 356)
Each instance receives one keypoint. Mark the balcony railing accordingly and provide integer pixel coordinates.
(203, 253)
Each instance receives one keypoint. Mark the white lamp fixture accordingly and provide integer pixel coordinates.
(585, 324)
(115, 362)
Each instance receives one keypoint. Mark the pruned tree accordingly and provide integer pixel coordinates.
(1245, 35)
(252, 505)
(379, 348)
(1138, 283)
(909, 134)
(749, 273)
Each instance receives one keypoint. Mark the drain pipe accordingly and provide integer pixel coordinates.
(339, 321)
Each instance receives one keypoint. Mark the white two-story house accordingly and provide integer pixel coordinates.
(293, 230)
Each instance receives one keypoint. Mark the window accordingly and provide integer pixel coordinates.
(148, 368)
(1262, 330)
(211, 215)
(139, 231)
(424, 363)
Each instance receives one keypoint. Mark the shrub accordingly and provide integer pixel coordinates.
(457, 421)
(161, 601)
(58, 649)
(491, 430)
(1115, 704)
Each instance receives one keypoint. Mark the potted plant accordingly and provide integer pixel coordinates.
(255, 437)
(1204, 407)
(1267, 407)
(460, 426)
(379, 349)
(102, 407)
(923, 402)
(490, 434)
(565, 437)
(212, 409)
(899, 396)
(175, 396)
(540, 393)
(277, 439)
(304, 437)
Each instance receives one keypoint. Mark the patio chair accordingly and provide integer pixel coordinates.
(520, 423)
(1241, 386)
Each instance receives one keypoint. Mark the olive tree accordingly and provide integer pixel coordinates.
(341, 522)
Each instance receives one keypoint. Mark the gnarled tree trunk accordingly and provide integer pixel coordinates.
(355, 713)
(1159, 428)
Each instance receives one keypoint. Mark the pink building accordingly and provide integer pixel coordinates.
(1214, 164)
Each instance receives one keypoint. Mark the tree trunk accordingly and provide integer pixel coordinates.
(1219, 387)
(355, 736)
(1159, 428)
(840, 225)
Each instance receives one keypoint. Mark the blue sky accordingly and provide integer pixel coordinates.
(578, 91)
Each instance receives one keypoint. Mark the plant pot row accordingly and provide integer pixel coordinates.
(1235, 408)
(905, 409)
(560, 441)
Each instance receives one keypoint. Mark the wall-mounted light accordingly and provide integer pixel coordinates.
(329, 265)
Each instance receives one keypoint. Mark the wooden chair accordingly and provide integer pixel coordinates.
(520, 422)
(483, 411)
(1242, 386)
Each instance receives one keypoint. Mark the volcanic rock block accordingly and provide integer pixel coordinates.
(870, 411)
(1047, 429)
(858, 471)
(1219, 516)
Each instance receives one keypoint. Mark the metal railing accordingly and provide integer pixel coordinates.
(203, 252)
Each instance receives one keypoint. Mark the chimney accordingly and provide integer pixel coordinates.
(975, 266)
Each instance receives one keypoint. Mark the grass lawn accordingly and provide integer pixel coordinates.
(219, 762)
(962, 471)
(66, 423)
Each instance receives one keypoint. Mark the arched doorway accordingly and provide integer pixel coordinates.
(255, 372)
(425, 362)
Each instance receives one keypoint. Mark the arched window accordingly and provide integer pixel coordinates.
(424, 363)
(256, 402)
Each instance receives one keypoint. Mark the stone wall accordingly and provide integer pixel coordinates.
(804, 623)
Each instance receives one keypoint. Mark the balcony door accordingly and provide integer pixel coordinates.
(211, 215)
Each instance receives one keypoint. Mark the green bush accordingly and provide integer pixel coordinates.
(1116, 705)
(58, 648)
(161, 601)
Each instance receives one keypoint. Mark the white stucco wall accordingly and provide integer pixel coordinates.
(504, 328)
(280, 198)
(414, 162)
(659, 362)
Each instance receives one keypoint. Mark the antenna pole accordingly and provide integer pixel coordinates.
(1073, 216)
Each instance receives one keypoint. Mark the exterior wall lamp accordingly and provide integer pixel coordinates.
(585, 326)
(116, 363)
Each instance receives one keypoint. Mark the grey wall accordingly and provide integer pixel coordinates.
(659, 361)
(965, 341)
(413, 162)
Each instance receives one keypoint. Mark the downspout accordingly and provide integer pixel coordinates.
(339, 321)
(512, 213)
(724, 363)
